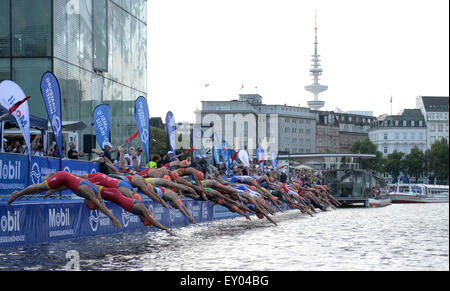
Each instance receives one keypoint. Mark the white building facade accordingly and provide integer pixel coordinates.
(400, 132)
(435, 111)
(248, 123)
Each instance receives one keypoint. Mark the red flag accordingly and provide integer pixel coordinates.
(132, 137)
(234, 156)
(282, 167)
(260, 161)
(391, 99)
(17, 105)
(206, 85)
(242, 87)
(189, 150)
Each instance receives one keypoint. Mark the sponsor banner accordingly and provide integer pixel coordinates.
(25, 223)
(171, 131)
(216, 149)
(13, 173)
(260, 158)
(101, 122)
(14, 169)
(51, 93)
(10, 95)
(243, 156)
(142, 117)
(274, 161)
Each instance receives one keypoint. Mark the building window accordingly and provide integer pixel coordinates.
(5, 73)
(308, 131)
(31, 28)
(432, 139)
(286, 120)
(440, 128)
(420, 123)
(27, 73)
(432, 128)
(286, 130)
(4, 34)
(413, 123)
(100, 38)
(396, 123)
(404, 122)
(385, 150)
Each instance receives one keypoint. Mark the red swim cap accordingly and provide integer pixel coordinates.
(275, 198)
(200, 175)
(174, 175)
(147, 223)
(91, 205)
(185, 163)
(166, 177)
(253, 188)
(260, 215)
(137, 197)
(271, 179)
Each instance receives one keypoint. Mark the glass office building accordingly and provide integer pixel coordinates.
(96, 48)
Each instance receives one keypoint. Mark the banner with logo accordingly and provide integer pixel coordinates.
(10, 95)
(51, 93)
(101, 122)
(243, 156)
(216, 149)
(260, 158)
(225, 156)
(24, 224)
(171, 131)
(13, 173)
(274, 160)
(142, 116)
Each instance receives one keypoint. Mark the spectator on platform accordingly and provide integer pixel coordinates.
(73, 154)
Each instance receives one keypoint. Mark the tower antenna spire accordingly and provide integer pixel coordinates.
(316, 71)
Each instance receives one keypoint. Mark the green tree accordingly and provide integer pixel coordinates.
(367, 147)
(159, 141)
(394, 164)
(414, 163)
(438, 159)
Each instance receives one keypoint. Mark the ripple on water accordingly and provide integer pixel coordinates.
(398, 237)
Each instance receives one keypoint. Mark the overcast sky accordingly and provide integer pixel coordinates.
(370, 50)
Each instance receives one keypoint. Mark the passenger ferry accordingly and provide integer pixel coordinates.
(354, 187)
(418, 193)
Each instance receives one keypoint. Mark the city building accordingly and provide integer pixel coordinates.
(96, 48)
(247, 123)
(327, 132)
(399, 132)
(352, 128)
(435, 111)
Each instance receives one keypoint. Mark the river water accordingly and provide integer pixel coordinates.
(398, 237)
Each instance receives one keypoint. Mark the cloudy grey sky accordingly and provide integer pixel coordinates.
(370, 50)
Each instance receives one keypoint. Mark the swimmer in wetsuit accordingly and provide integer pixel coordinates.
(77, 185)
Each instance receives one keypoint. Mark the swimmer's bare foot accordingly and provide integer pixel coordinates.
(13, 197)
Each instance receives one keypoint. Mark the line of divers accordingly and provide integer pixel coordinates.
(262, 195)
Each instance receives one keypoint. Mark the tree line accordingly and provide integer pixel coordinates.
(432, 164)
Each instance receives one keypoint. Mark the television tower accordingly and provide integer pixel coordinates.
(316, 71)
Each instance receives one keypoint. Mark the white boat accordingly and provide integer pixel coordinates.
(418, 193)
